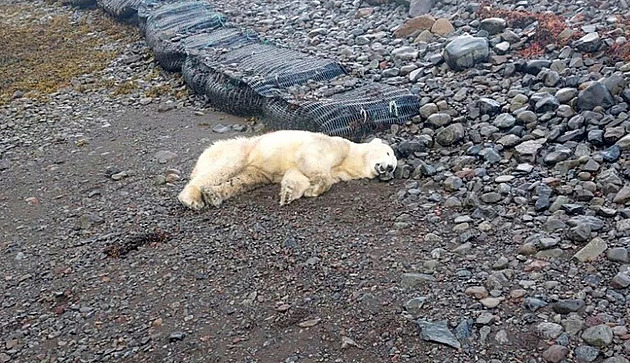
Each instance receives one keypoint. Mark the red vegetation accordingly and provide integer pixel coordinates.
(546, 32)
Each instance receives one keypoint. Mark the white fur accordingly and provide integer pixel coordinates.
(304, 163)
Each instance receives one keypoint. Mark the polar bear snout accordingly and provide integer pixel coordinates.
(384, 168)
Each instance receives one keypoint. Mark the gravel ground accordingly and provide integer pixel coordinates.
(504, 237)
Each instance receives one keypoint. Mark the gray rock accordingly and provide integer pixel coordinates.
(420, 7)
(621, 280)
(453, 183)
(528, 149)
(428, 110)
(463, 330)
(485, 318)
(618, 254)
(408, 147)
(616, 360)
(592, 250)
(414, 306)
(567, 306)
(549, 330)
(405, 53)
(586, 353)
(490, 155)
(596, 137)
(596, 94)
(593, 222)
(564, 95)
(623, 195)
(164, 156)
(465, 51)
(437, 332)
(412, 279)
(543, 202)
(589, 43)
(504, 121)
(493, 25)
(546, 103)
(535, 66)
(555, 353)
(573, 325)
(439, 119)
(5, 164)
(581, 233)
(166, 106)
(502, 337)
(221, 129)
(491, 197)
(598, 335)
(175, 336)
(533, 304)
(509, 140)
(450, 134)
(488, 106)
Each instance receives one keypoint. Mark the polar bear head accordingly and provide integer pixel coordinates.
(379, 158)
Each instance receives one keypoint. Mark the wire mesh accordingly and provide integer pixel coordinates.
(121, 9)
(172, 53)
(269, 69)
(352, 114)
(240, 79)
(80, 3)
(167, 25)
(222, 92)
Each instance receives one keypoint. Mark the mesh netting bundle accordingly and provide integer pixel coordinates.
(160, 9)
(223, 92)
(171, 54)
(267, 68)
(239, 80)
(80, 3)
(168, 26)
(354, 113)
(121, 9)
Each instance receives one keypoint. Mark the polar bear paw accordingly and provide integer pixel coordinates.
(211, 196)
(287, 193)
(191, 197)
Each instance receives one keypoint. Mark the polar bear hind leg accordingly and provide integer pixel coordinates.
(246, 180)
(216, 165)
(293, 186)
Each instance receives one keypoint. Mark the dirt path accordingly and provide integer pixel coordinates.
(236, 281)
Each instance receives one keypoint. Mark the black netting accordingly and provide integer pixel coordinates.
(223, 92)
(121, 9)
(267, 68)
(80, 3)
(168, 25)
(171, 54)
(239, 80)
(353, 113)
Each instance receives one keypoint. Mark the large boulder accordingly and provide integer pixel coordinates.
(465, 51)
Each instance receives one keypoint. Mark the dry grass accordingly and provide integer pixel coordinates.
(40, 53)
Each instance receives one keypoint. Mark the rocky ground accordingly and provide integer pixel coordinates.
(504, 238)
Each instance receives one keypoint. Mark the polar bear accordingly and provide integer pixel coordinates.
(303, 163)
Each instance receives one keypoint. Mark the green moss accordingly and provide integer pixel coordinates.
(39, 53)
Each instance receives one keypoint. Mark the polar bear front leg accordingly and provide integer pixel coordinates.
(246, 180)
(293, 186)
(320, 184)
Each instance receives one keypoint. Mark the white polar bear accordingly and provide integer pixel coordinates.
(304, 163)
